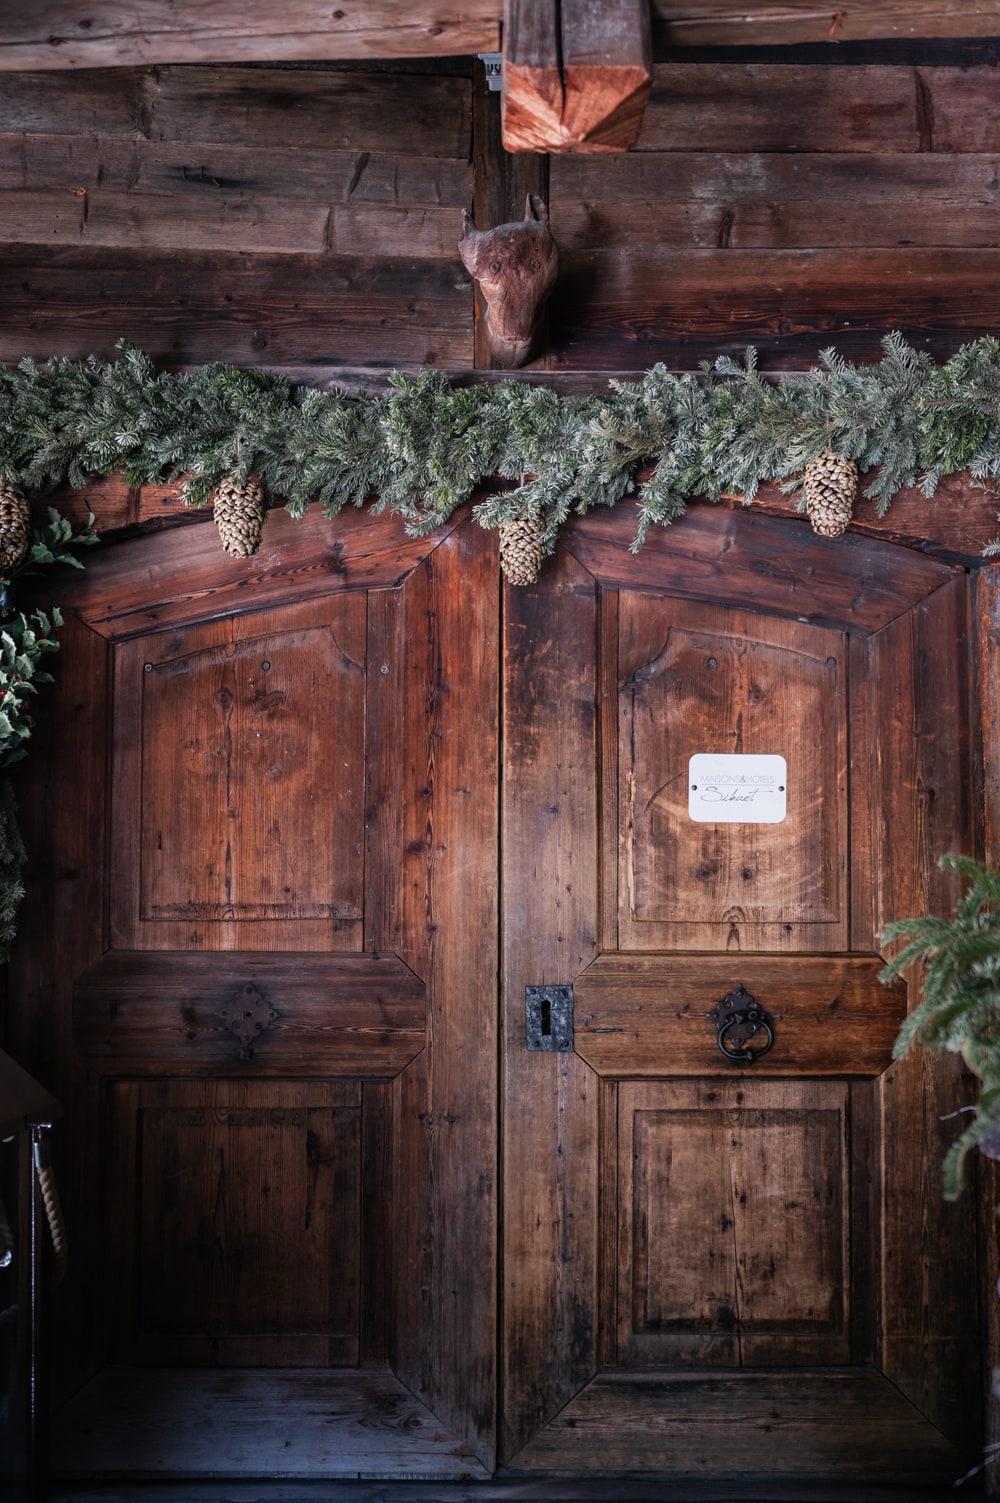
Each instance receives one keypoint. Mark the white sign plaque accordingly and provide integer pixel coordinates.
(729, 788)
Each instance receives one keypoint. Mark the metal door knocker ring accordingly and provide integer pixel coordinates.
(739, 1019)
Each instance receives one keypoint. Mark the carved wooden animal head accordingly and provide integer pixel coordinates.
(515, 266)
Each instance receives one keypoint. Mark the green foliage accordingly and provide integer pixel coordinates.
(25, 640)
(423, 447)
(960, 998)
(55, 542)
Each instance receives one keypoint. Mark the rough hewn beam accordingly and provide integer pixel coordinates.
(576, 74)
(78, 34)
(720, 23)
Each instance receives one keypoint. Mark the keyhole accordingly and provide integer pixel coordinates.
(546, 1014)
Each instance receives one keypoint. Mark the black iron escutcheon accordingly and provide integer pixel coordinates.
(248, 1015)
(740, 1019)
(548, 1018)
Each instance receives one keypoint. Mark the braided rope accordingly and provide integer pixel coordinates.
(54, 1216)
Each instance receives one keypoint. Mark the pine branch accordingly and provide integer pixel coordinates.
(959, 1008)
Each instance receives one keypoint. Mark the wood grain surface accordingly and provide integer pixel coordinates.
(645, 1015)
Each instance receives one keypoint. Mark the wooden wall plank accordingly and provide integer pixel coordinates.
(780, 107)
(60, 34)
(64, 33)
(108, 101)
(958, 108)
(190, 308)
(775, 200)
(429, 115)
(961, 517)
(191, 170)
(681, 307)
(954, 525)
(317, 107)
(718, 23)
(165, 222)
(784, 205)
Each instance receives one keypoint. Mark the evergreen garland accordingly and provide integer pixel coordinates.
(422, 448)
(960, 999)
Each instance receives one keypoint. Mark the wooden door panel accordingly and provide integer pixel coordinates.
(697, 678)
(733, 1226)
(238, 780)
(645, 1015)
(748, 1221)
(213, 1174)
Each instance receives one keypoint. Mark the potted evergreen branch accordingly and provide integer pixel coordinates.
(959, 1008)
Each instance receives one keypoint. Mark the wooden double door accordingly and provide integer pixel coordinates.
(368, 916)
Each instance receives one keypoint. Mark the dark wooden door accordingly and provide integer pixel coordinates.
(715, 1268)
(259, 964)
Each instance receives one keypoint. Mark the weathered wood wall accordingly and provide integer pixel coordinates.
(786, 206)
(296, 217)
(305, 216)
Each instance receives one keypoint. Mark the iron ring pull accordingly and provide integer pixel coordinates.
(739, 1018)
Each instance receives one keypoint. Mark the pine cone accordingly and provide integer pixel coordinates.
(239, 516)
(829, 486)
(521, 548)
(15, 528)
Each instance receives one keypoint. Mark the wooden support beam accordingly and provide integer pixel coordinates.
(77, 34)
(720, 23)
(576, 74)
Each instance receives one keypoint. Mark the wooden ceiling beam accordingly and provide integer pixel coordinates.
(65, 34)
(37, 34)
(576, 74)
(720, 23)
